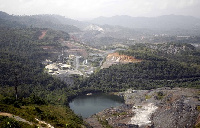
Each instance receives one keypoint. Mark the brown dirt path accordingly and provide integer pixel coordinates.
(15, 117)
(43, 34)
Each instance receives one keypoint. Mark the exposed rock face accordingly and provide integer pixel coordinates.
(175, 107)
(143, 114)
(181, 113)
(93, 27)
(158, 108)
(116, 58)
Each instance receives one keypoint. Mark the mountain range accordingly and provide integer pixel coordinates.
(58, 22)
(112, 28)
(161, 22)
(40, 21)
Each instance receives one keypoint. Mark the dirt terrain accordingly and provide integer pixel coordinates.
(43, 34)
(75, 49)
(116, 58)
(158, 108)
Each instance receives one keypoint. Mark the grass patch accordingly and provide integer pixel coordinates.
(57, 116)
(121, 113)
(6, 122)
(197, 126)
(147, 97)
(160, 95)
(198, 108)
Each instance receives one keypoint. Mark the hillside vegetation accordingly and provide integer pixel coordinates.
(163, 65)
(38, 95)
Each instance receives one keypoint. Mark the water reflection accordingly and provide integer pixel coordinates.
(89, 105)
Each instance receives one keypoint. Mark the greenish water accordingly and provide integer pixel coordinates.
(89, 105)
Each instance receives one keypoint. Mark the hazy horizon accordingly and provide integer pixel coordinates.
(89, 9)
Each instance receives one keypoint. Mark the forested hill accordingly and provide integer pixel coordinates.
(21, 57)
(39, 21)
(38, 95)
(163, 65)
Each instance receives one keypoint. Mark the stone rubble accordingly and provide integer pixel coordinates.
(156, 108)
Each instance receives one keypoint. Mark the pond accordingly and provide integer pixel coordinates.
(87, 105)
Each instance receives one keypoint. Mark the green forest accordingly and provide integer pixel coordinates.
(39, 95)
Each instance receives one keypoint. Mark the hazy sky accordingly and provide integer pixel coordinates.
(87, 9)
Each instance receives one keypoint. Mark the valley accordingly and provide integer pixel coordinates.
(48, 60)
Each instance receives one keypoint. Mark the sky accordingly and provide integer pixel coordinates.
(89, 9)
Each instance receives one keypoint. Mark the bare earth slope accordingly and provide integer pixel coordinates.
(116, 58)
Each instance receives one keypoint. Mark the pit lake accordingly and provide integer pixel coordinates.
(87, 105)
